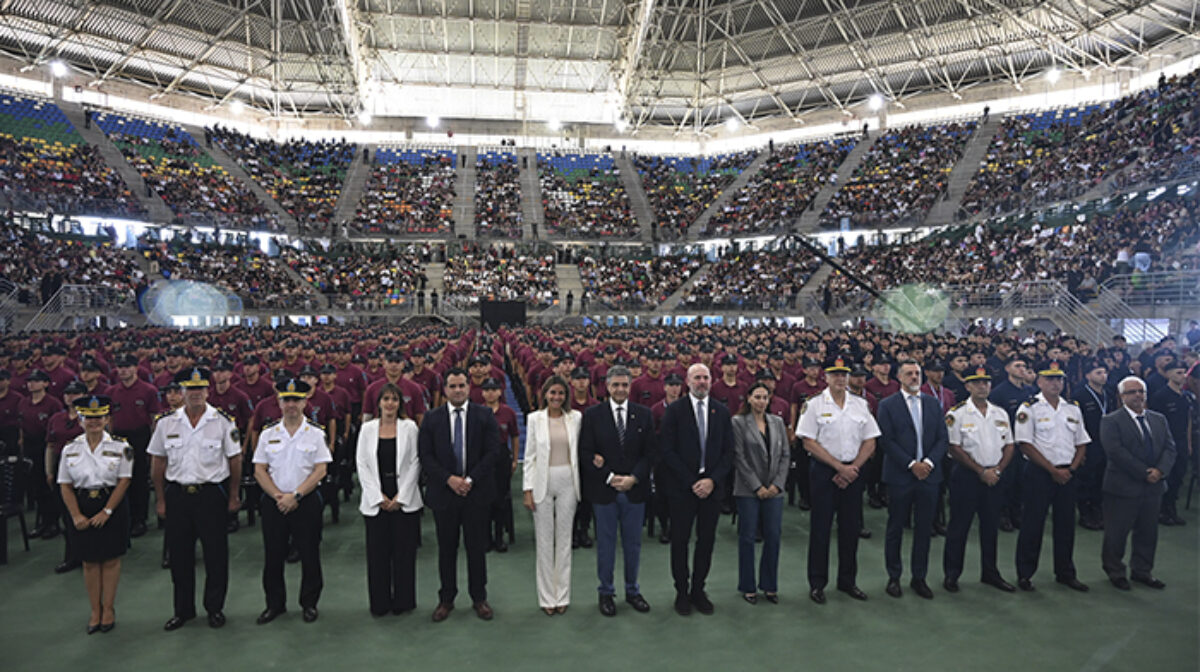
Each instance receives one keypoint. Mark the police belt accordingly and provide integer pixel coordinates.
(93, 493)
(193, 488)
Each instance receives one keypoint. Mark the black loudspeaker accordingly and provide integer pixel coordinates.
(492, 314)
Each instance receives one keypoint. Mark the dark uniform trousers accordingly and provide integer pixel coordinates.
(687, 509)
(919, 498)
(1091, 476)
(303, 527)
(197, 512)
(473, 521)
(1121, 516)
(392, 538)
(970, 496)
(1042, 493)
(38, 493)
(139, 485)
(828, 499)
(10, 440)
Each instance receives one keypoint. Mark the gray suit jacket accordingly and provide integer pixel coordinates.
(750, 465)
(1125, 475)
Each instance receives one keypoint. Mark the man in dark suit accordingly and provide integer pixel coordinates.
(1140, 452)
(915, 441)
(697, 451)
(459, 445)
(616, 451)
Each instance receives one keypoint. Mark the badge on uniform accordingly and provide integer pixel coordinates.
(949, 420)
(1001, 423)
(172, 436)
(109, 453)
(128, 452)
(1022, 416)
(233, 434)
(1072, 420)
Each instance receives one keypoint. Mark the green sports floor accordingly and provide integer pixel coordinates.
(43, 615)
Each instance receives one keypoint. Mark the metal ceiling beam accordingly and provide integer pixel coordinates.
(632, 52)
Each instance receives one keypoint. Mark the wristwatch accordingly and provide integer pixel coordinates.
(108, 511)
(297, 495)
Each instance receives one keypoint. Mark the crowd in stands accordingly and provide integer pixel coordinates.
(497, 195)
(194, 187)
(680, 189)
(358, 278)
(409, 192)
(40, 263)
(753, 280)
(582, 197)
(635, 284)
(780, 192)
(1172, 121)
(304, 177)
(499, 273)
(257, 279)
(900, 177)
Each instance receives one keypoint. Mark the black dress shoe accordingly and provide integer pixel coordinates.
(66, 566)
(501, 547)
(107, 627)
(293, 556)
(999, 583)
(269, 615)
(855, 592)
(1177, 521)
(664, 538)
(683, 606)
(921, 588)
(893, 588)
(310, 614)
(875, 502)
(951, 585)
(232, 526)
(1025, 585)
(607, 606)
(216, 619)
(817, 595)
(701, 602)
(176, 622)
(137, 530)
(752, 598)
(1120, 583)
(864, 533)
(773, 598)
(50, 532)
(93, 629)
(804, 505)
(1150, 581)
(939, 529)
(1006, 525)
(585, 541)
(1072, 583)
(638, 602)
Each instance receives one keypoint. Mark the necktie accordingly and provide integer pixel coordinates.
(1147, 440)
(621, 425)
(702, 425)
(460, 456)
(914, 410)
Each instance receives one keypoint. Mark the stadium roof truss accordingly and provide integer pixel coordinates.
(683, 64)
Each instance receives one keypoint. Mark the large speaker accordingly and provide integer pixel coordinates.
(492, 314)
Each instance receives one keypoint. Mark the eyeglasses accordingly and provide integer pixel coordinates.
(1134, 392)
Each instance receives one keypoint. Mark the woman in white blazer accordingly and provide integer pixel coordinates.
(551, 485)
(388, 469)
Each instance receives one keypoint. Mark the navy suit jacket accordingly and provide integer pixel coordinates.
(438, 461)
(680, 447)
(898, 437)
(598, 436)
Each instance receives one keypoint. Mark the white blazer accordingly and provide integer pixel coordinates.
(537, 452)
(408, 467)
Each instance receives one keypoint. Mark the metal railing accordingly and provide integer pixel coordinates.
(1155, 288)
(82, 301)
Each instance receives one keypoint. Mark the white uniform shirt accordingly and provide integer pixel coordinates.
(982, 436)
(840, 431)
(1053, 432)
(197, 454)
(291, 458)
(82, 467)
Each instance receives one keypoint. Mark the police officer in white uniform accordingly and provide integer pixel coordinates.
(94, 474)
(981, 443)
(289, 463)
(197, 452)
(839, 432)
(1049, 431)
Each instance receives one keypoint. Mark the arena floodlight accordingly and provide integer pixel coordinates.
(58, 69)
(364, 118)
(237, 107)
(433, 121)
(621, 125)
(1054, 75)
(554, 125)
(732, 124)
(875, 102)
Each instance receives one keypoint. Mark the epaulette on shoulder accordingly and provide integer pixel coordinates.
(118, 439)
(1074, 402)
(315, 424)
(1028, 403)
(272, 423)
(225, 415)
(162, 415)
(958, 405)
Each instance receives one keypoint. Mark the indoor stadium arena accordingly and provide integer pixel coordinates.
(852, 334)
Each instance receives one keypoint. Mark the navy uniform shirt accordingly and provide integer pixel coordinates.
(1177, 407)
(1094, 405)
(1010, 397)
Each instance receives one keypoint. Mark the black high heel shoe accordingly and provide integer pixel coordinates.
(93, 629)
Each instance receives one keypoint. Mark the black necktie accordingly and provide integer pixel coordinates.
(621, 425)
(1147, 440)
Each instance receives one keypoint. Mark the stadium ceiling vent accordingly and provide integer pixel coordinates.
(688, 65)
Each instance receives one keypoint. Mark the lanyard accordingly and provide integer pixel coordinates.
(1099, 399)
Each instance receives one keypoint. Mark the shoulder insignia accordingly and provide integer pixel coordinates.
(268, 425)
(803, 407)
(225, 415)
(1074, 402)
(160, 416)
(118, 439)
(235, 435)
(128, 452)
(315, 424)
(1022, 416)
(949, 420)
(958, 405)
(1028, 403)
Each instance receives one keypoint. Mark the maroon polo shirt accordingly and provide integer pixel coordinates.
(136, 406)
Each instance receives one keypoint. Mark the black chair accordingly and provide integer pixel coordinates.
(14, 475)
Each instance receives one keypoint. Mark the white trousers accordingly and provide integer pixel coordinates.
(553, 518)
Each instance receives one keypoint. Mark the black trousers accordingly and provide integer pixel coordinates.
(918, 497)
(1011, 485)
(1091, 478)
(659, 503)
(1123, 515)
(392, 561)
(1042, 493)
(303, 527)
(472, 523)
(969, 497)
(38, 494)
(1175, 476)
(139, 485)
(828, 499)
(191, 517)
(10, 440)
(687, 509)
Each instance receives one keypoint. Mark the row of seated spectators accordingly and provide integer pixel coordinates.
(304, 177)
(194, 187)
(900, 178)
(680, 189)
(45, 164)
(753, 280)
(782, 189)
(260, 281)
(366, 277)
(497, 195)
(410, 191)
(635, 284)
(499, 273)
(1172, 120)
(38, 263)
(582, 196)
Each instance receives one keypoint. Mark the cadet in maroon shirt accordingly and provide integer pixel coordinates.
(728, 389)
(255, 385)
(393, 372)
(35, 411)
(880, 384)
(647, 389)
(777, 406)
(806, 388)
(783, 380)
(427, 378)
(136, 405)
(10, 418)
(341, 401)
(228, 399)
(581, 396)
(658, 510)
(510, 433)
(93, 377)
(53, 358)
(351, 378)
(62, 427)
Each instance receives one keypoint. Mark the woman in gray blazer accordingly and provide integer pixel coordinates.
(760, 459)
